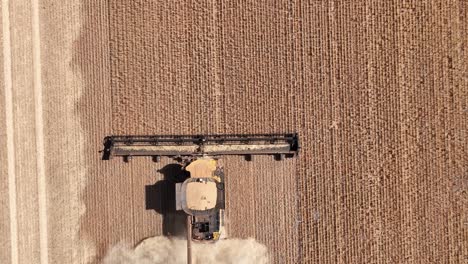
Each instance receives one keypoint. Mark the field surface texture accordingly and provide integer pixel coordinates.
(377, 90)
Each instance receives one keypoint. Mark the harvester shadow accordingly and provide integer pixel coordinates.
(161, 198)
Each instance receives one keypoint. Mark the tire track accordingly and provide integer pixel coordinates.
(9, 131)
(37, 86)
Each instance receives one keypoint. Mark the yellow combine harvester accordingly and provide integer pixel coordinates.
(201, 196)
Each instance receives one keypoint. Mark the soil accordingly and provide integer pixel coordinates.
(377, 91)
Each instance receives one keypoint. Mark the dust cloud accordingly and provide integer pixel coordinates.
(158, 250)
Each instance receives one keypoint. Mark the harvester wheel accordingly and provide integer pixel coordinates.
(279, 157)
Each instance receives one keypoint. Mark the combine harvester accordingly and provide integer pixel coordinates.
(201, 196)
